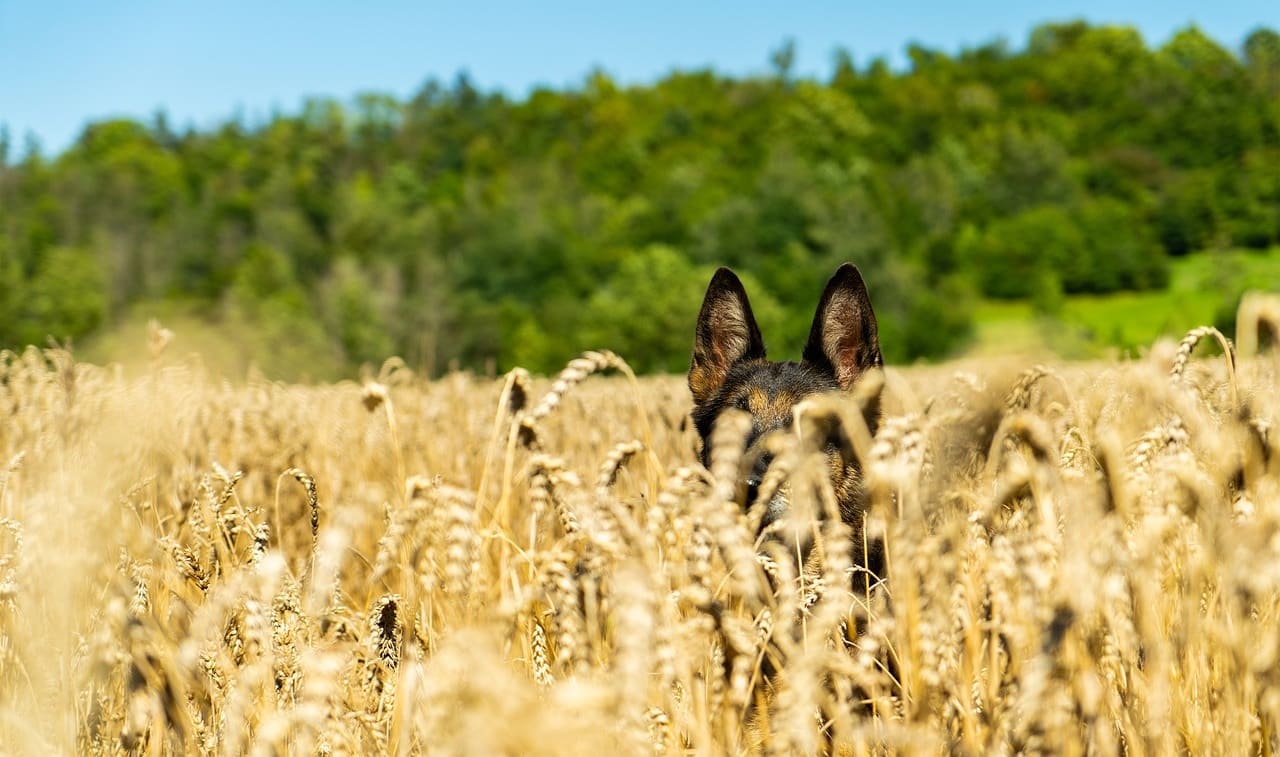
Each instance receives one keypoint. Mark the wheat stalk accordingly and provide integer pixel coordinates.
(1188, 344)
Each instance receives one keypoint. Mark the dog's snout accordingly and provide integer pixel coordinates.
(756, 477)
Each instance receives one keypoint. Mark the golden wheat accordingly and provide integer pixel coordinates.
(1081, 559)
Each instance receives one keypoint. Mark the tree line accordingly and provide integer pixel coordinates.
(469, 228)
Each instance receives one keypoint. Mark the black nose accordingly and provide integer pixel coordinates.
(756, 476)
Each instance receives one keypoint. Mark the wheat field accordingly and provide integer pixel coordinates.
(1081, 559)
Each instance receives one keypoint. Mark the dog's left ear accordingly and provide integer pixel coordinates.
(726, 335)
(844, 338)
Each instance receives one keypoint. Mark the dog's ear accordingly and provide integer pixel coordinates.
(726, 334)
(844, 339)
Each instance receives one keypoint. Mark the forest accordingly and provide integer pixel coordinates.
(462, 228)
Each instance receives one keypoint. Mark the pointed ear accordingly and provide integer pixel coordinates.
(726, 334)
(844, 338)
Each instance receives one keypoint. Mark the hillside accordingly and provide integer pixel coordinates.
(467, 228)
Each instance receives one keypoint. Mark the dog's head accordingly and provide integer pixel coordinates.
(729, 370)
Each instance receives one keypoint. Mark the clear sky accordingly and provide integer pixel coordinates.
(63, 62)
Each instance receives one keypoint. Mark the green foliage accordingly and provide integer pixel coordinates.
(465, 228)
(1122, 253)
(356, 311)
(64, 300)
(1189, 214)
(1203, 288)
(1098, 246)
(1015, 255)
(646, 306)
(12, 284)
(274, 317)
(920, 321)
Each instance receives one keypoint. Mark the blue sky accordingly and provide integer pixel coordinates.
(64, 62)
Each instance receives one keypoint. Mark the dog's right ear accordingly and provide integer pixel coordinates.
(844, 339)
(726, 334)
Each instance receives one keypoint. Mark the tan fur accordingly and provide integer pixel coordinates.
(703, 381)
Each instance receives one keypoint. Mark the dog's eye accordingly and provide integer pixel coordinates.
(741, 404)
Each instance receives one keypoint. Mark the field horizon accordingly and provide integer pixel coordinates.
(1081, 328)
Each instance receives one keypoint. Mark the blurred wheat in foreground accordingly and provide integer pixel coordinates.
(1082, 559)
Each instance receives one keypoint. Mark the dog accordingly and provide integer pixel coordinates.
(730, 370)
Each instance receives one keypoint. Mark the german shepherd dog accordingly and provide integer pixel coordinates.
(729, 370)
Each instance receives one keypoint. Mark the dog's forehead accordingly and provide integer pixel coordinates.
(769, 389)
(790, 378)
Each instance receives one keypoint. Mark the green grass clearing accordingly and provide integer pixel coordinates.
(1202, 289)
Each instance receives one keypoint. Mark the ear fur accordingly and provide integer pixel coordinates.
(844, 338)
(726, 334)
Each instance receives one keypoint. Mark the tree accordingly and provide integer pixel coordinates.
(1013, 255)
(280, 331)
(64, 300)
(783, 59)
(1262, 59)
(355, 309)
(12, 287)
(1122, 251)
(646, 310)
